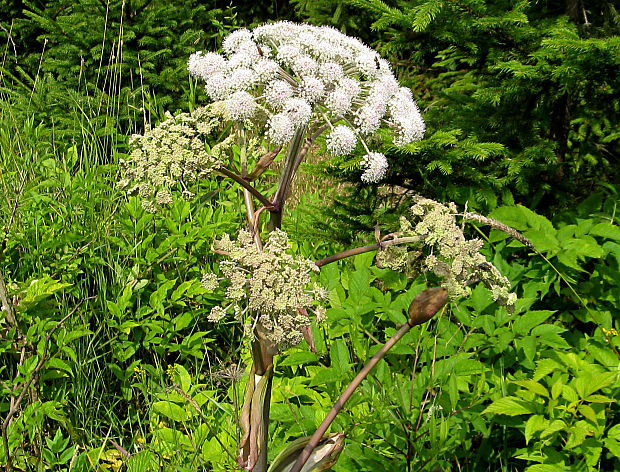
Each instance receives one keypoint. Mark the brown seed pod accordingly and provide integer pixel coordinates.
(426, 304)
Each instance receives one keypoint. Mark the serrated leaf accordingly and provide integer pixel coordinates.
(534, 424)
(340, 355)
(544, 367)
(554, 427)
(55, 363)
(588, 412)
(511, 406)
(557, 388)
(326, 376)
(533, 387)
(524, 324)
(606, 230)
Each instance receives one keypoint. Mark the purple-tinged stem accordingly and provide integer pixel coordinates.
(246, 185)
(318, 434)
(363, 249)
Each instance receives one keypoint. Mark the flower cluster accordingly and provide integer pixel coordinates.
(270, 288)
(172, 153)
(298, 73)
(443, 249)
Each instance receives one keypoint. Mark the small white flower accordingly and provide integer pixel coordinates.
(304, 65)
(331, 72)
(341, 141)
(312, 89)
(376, 167)
(277, 93)
(242, 78)
(265, 70)
(240, 106)
(217, 314)
(280, 129)
(209, 281)
(298, 110)
(218, 86)
(235, 39)
(368, 119)
(339, 102)
(203, 65)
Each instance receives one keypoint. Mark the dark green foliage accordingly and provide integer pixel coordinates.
(519, 96)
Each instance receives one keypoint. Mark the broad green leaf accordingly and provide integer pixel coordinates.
(534, 424)
(55, 363)
(359, 284)
(588, 412)
(557, 388)
(606, 230)
(524, 324)
(569, 394)
(326, 376)
(554, 427)
(529, 347)
(546, 468)
(144, 461)
(599, 381)
(542, 240)
(299, 358)
(544, 367)
(182, 377)
(170, 410)
(577, 434)
(533, 387)
(340, 355)
(511, 406)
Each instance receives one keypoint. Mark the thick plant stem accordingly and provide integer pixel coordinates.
(287, 175)
(246, 185)
(318, 434)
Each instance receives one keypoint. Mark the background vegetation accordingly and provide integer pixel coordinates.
(521, 104)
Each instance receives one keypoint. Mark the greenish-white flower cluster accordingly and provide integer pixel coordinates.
(443, 250)
(173, 153)
(270, 290)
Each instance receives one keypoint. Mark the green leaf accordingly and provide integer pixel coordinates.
(55, 363)
(326, 376)
(534, 424)
(170, 410)
(542, 240)
(546, 468)
(533, 387)
(606, 230)
(510, 406)
(359, 284)
(529, 347)
(588, 412)
(546, 366)
(524, 324)
(182, 377)
(340, 355)
(299, 358)
(554, 427)
(145, 461)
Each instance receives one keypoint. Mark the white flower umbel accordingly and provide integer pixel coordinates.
(376, 166)
(273, 287)
(341, 141)
(304, 75)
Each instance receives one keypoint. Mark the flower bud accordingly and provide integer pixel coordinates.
(426, 304)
